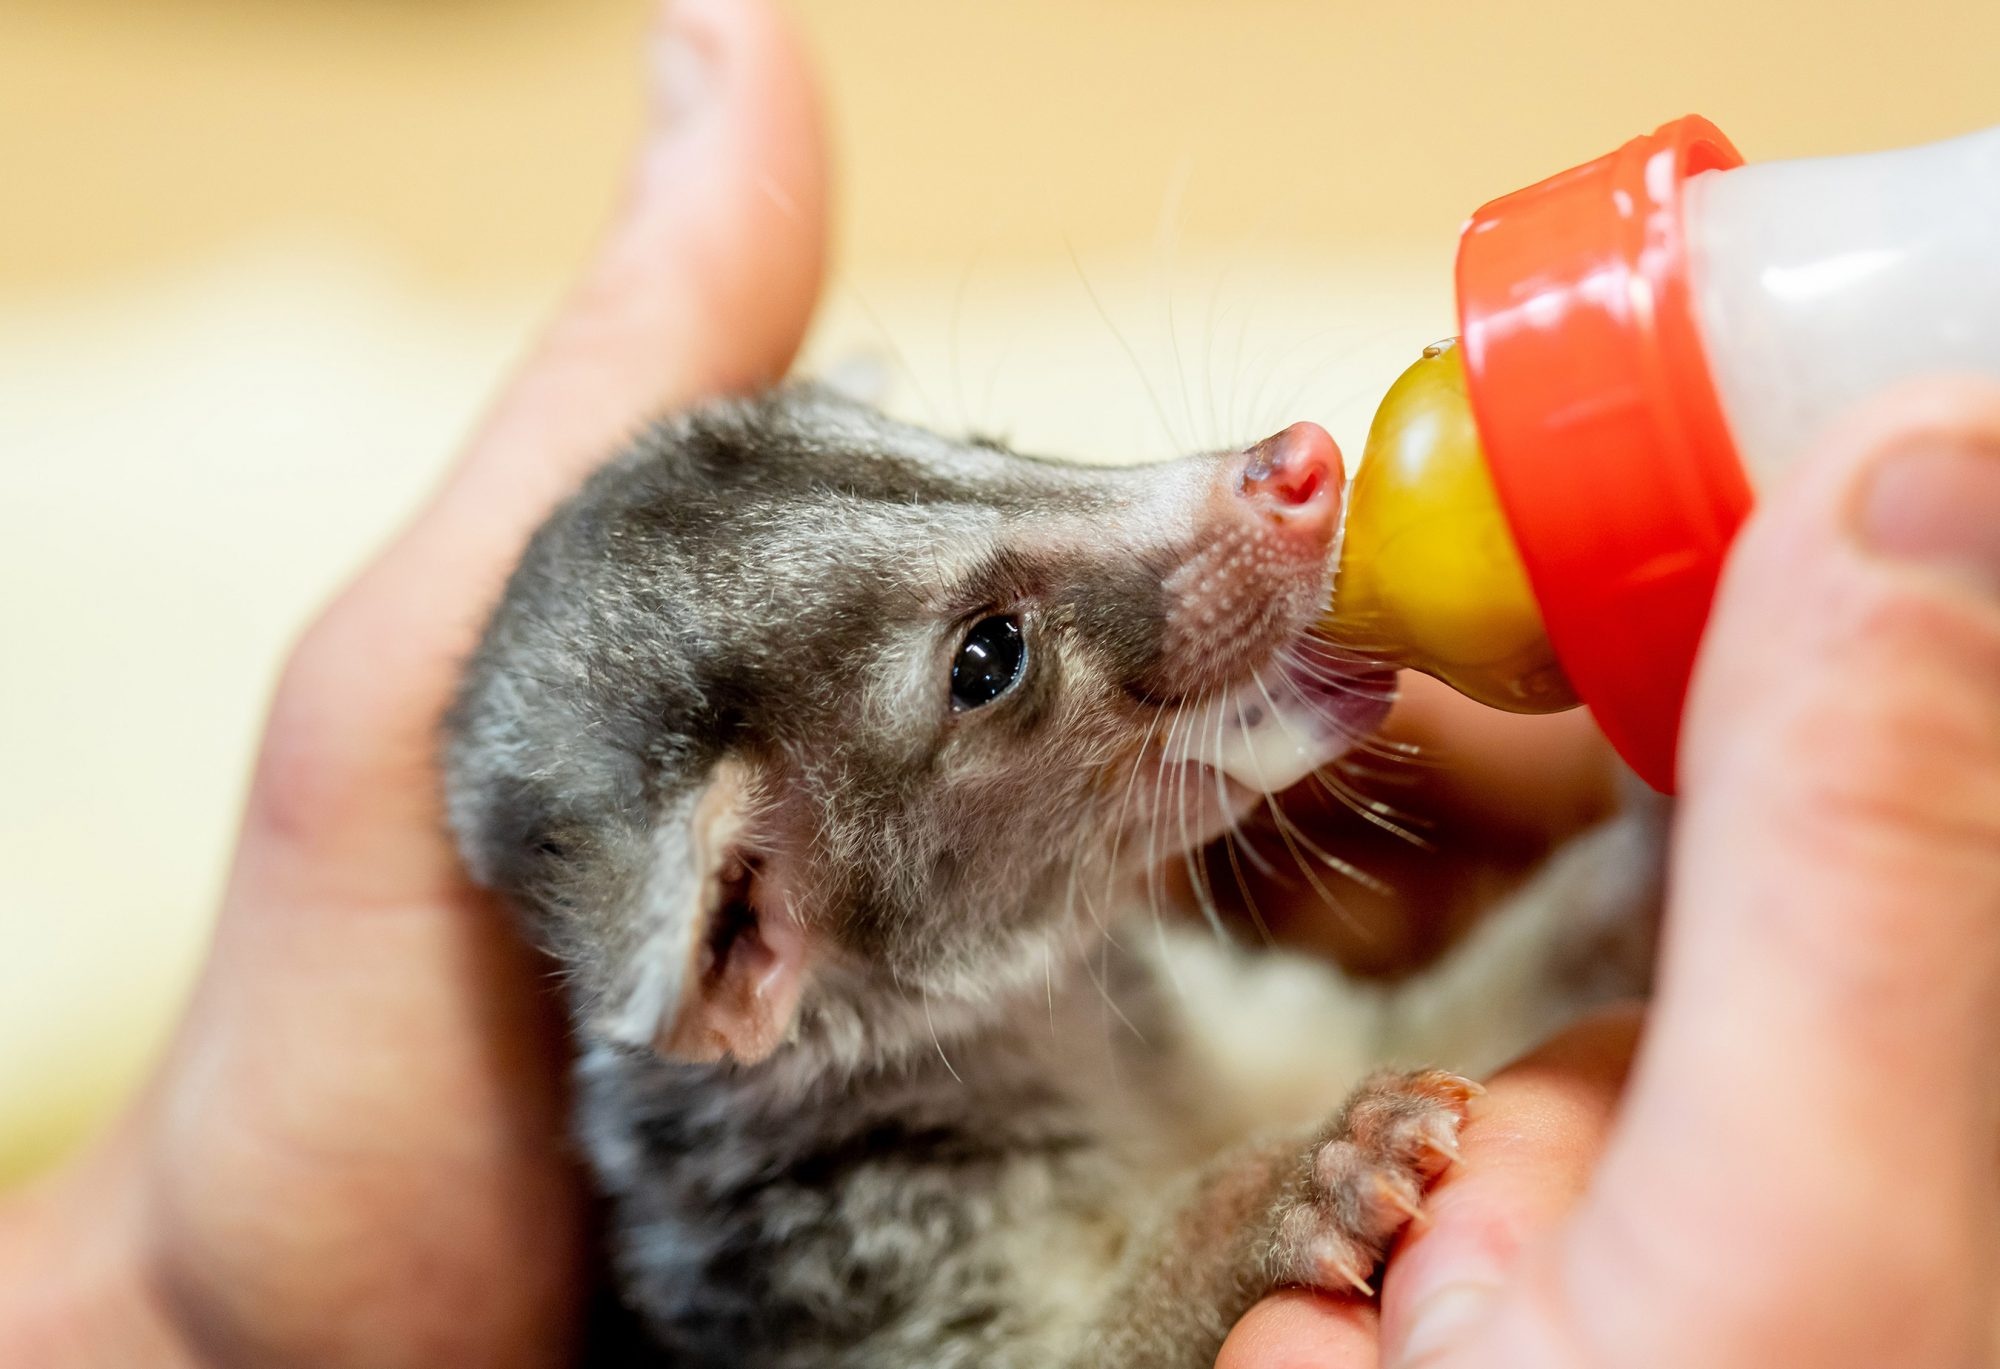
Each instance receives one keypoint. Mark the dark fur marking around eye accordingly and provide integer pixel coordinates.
(1010, 575)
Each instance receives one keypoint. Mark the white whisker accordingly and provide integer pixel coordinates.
(1235, 830)
(1139, 367)
(1383, 814)
(1124, 804)
(1049, 978)
(934, 1037)
(1157, 815)
(1197, 876)
(1286, 829)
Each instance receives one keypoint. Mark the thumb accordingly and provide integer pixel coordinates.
(1836, 896)
(346, 917)
(1804, 1169)
(704, 282)
(1822, 1065)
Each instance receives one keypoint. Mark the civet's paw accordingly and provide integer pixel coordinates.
(1364, 1179)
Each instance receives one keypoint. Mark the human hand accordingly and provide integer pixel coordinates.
(353, 1152)
(1805, 1169)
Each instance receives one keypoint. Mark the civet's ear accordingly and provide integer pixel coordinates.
(718, 973)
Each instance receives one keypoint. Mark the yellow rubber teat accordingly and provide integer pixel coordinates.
(1428, 575)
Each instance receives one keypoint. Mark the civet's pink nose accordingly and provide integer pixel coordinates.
(1294, 477)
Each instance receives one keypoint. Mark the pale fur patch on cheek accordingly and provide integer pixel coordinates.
(645, 986)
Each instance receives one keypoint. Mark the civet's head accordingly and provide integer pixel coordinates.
(794, 709)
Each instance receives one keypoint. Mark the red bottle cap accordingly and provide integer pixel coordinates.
(1601, 425)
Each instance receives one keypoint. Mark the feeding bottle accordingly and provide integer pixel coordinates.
(1544, 503)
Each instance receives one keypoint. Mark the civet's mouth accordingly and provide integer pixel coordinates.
(1304, 713)
(1218, 758)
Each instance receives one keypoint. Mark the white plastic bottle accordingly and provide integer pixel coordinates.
(1822, 280)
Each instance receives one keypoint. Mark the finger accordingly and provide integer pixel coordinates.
(1823, 1064)
(1837, 903)
(1837, 882)
(1295, 1329)
(1529, 1151)
(705, 282)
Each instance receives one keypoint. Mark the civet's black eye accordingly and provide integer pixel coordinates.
(989, 661)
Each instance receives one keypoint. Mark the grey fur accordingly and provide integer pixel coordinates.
(993, 1132)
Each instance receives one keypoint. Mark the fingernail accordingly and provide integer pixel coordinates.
(683, 68)
(1936, 504)
(1439, 1322)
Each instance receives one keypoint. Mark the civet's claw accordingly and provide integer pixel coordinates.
(1443, 1145)
(1391, 1194)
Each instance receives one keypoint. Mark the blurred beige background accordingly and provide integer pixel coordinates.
(260, 261)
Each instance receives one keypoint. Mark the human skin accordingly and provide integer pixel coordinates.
(351, 1154)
